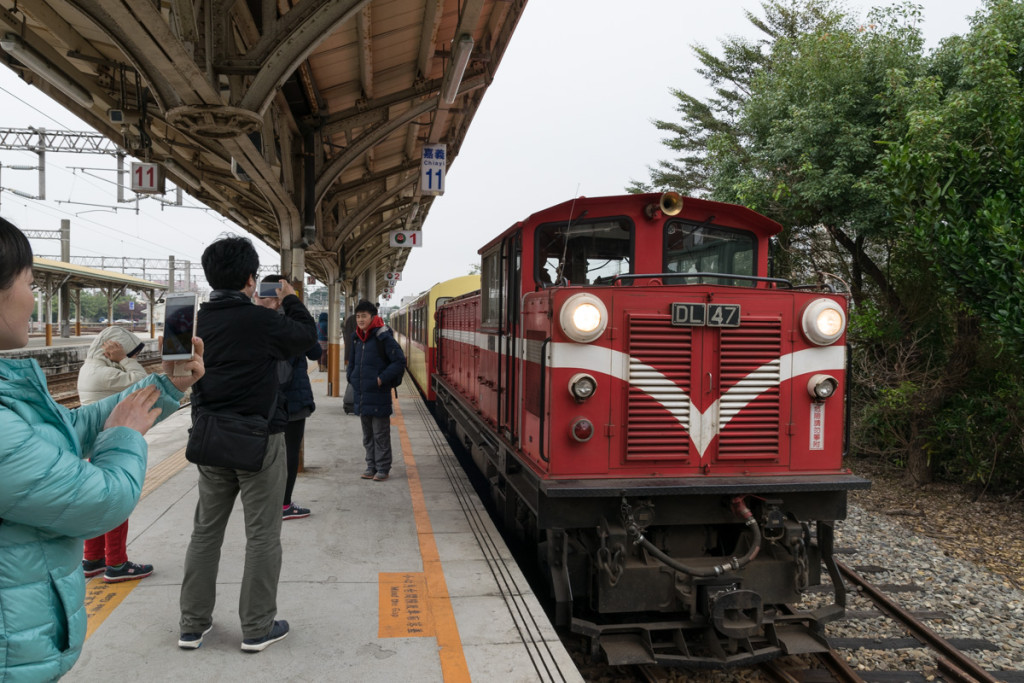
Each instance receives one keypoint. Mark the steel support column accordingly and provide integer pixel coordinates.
(333, 338)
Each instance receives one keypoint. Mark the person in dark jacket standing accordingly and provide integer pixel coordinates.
(377, 364)
(299, 404)
(323, 336)
(348, 329)
(244, 343)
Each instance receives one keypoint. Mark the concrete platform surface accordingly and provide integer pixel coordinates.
(402, 580)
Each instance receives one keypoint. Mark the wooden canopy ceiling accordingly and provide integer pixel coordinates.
(302, 120)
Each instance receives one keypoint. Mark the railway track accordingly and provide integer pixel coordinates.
(934, 656)
(63, 387)
(929, 655)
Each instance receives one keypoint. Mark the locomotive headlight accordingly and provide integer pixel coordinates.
(583, 317)
(821, 387)
(823, 322)
(582, 386)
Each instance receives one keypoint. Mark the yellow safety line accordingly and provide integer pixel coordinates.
(101, 598)
(453, 660)
(158, 474)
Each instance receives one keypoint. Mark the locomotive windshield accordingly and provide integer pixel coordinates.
(701, 248)
(584, 253)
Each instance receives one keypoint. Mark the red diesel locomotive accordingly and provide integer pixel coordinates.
(662, 419)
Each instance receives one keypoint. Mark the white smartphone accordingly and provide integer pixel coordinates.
(179, 326)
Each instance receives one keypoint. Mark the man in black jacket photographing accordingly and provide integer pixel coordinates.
(244, 342)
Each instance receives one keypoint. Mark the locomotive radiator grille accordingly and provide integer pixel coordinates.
(659, 381)
(749, 411)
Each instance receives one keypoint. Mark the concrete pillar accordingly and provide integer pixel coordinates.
(78, 312)
(41, 152)
(333, 338)
(297, 269)
(366, 285)
(49, 311)
(170, 274)
(286, 260)
(151, 295)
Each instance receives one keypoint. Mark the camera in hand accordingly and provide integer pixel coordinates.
(268, 290)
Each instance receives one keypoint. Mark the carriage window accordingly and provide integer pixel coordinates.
(583, 253)
(707, 249)
(490, 285)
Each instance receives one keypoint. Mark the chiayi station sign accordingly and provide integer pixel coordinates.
(432, 169)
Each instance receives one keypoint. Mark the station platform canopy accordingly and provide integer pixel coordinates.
(66, 282)
(310, 123)
(82, 277)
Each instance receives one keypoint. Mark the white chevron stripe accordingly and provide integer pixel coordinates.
(703, 426)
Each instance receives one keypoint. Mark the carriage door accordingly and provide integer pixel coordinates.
(508, 363)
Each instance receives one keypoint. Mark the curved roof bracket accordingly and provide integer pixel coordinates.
(294, 36)
(355, 151)
(368, 208)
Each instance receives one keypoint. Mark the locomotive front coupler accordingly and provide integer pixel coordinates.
(773, 520)
(635, 530)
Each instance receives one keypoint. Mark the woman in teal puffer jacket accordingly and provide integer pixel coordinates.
(51, 497)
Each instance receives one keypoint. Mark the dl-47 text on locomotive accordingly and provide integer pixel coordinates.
(661, 419)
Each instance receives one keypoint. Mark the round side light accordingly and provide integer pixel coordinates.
(823, 322)
(582, 386)
(582, 429)
(821, 387)
(584, 317)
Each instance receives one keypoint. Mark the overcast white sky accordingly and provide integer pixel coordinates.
(569, 113)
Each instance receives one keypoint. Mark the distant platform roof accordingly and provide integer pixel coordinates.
(82, 276)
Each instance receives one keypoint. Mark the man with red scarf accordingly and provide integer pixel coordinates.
(377, 364)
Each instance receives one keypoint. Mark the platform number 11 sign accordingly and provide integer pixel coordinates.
(147, 178)
(432, 169)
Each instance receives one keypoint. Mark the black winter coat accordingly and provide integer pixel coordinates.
(298, 392)
(244, 342)
(367, 364)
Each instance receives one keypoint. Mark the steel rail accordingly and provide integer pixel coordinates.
(961, 667)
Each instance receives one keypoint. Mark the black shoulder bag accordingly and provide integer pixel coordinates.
(225, 439)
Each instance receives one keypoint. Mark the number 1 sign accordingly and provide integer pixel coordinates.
(405, 238)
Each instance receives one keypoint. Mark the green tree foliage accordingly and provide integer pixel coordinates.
(94, 307)
(899, 173)
(957, 175)
(713, 122)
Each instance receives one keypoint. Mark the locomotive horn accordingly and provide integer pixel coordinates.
(670, 204)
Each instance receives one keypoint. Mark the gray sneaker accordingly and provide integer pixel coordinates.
(368, 474)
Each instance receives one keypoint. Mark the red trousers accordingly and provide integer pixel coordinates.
(110, 545)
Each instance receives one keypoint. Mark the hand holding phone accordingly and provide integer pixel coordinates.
(268, 290)
(278, 289)
(184, 373)
(179, 326)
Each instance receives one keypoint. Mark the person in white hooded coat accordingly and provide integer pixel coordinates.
(110, 367)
